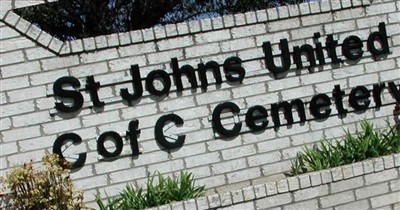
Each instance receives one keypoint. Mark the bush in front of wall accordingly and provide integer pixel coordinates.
(165, 191)
(47, 188)
(353, 148)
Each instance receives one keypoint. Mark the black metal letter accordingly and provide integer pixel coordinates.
(133, 133)
(166, 82)
(254, 114)
(216, 119)
(338, 94)
(93, 87)
(76, 139)
(269, 58)
(75, 95)
(159, 133)
(137, 86)
(352, 48)
(317, 102)
(233, 65)
(382, 37)
(118, 144)
(358, 98)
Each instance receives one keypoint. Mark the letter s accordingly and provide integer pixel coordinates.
(75, 95)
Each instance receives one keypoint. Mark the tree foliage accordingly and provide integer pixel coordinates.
(74, 19)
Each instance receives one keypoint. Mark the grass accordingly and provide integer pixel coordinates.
(166, 191)
(353, 148)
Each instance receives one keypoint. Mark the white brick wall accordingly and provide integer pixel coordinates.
(32, 60)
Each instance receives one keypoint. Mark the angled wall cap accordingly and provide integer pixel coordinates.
(58, 47)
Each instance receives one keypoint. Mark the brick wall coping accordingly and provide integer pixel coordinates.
(290, 184)
(157, 33)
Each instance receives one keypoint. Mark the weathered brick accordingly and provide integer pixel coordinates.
(59, 62)
(384, 200)
(311, 204)
(310, 193)
(346, 184)
(16, 108)
(202, 159)
(21, 133)
(380, 176)
(336, 199)
(20, 69)
(271, 201)
(371, 191)
(354, 205)
(228, 166)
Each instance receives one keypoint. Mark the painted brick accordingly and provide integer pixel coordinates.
(99, 56)
(137, 49)
(182, 28)
(228, 166)
(9, 148)
(250, 17)
(14, 83)
(76, 46)
(237, 44)
(284, 25)
(202, 159)
(238, 152)
(347, 184)
(125, 63)
(294, 183)
(248, 193)
(136, 36)
(56, 63)
(124, 38)
(31, 119)
(6, 32)
(384, 200)
(17, 159)
(340, 27)
(316, 19)
(248, 30)
(381, 176)
(263, 159)
(315, 179)
(271, 201)
(16, 108)
(272, 13)
(282, 186)
(27, 94)
(354, 205)
(36, 143)
(92, 182)
(310, 193)
(175, 43)
(378, 8)
(89, 44)
(260, 191)
(371, 191)
(271, 188)
(162, 57)
(20, 69)
(336, 199)
(202, 203)
(5, 124)
(12, 57)
(15, 44)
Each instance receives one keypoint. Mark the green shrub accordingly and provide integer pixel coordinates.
(353, 148)
(166, 191)
(47, 188)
